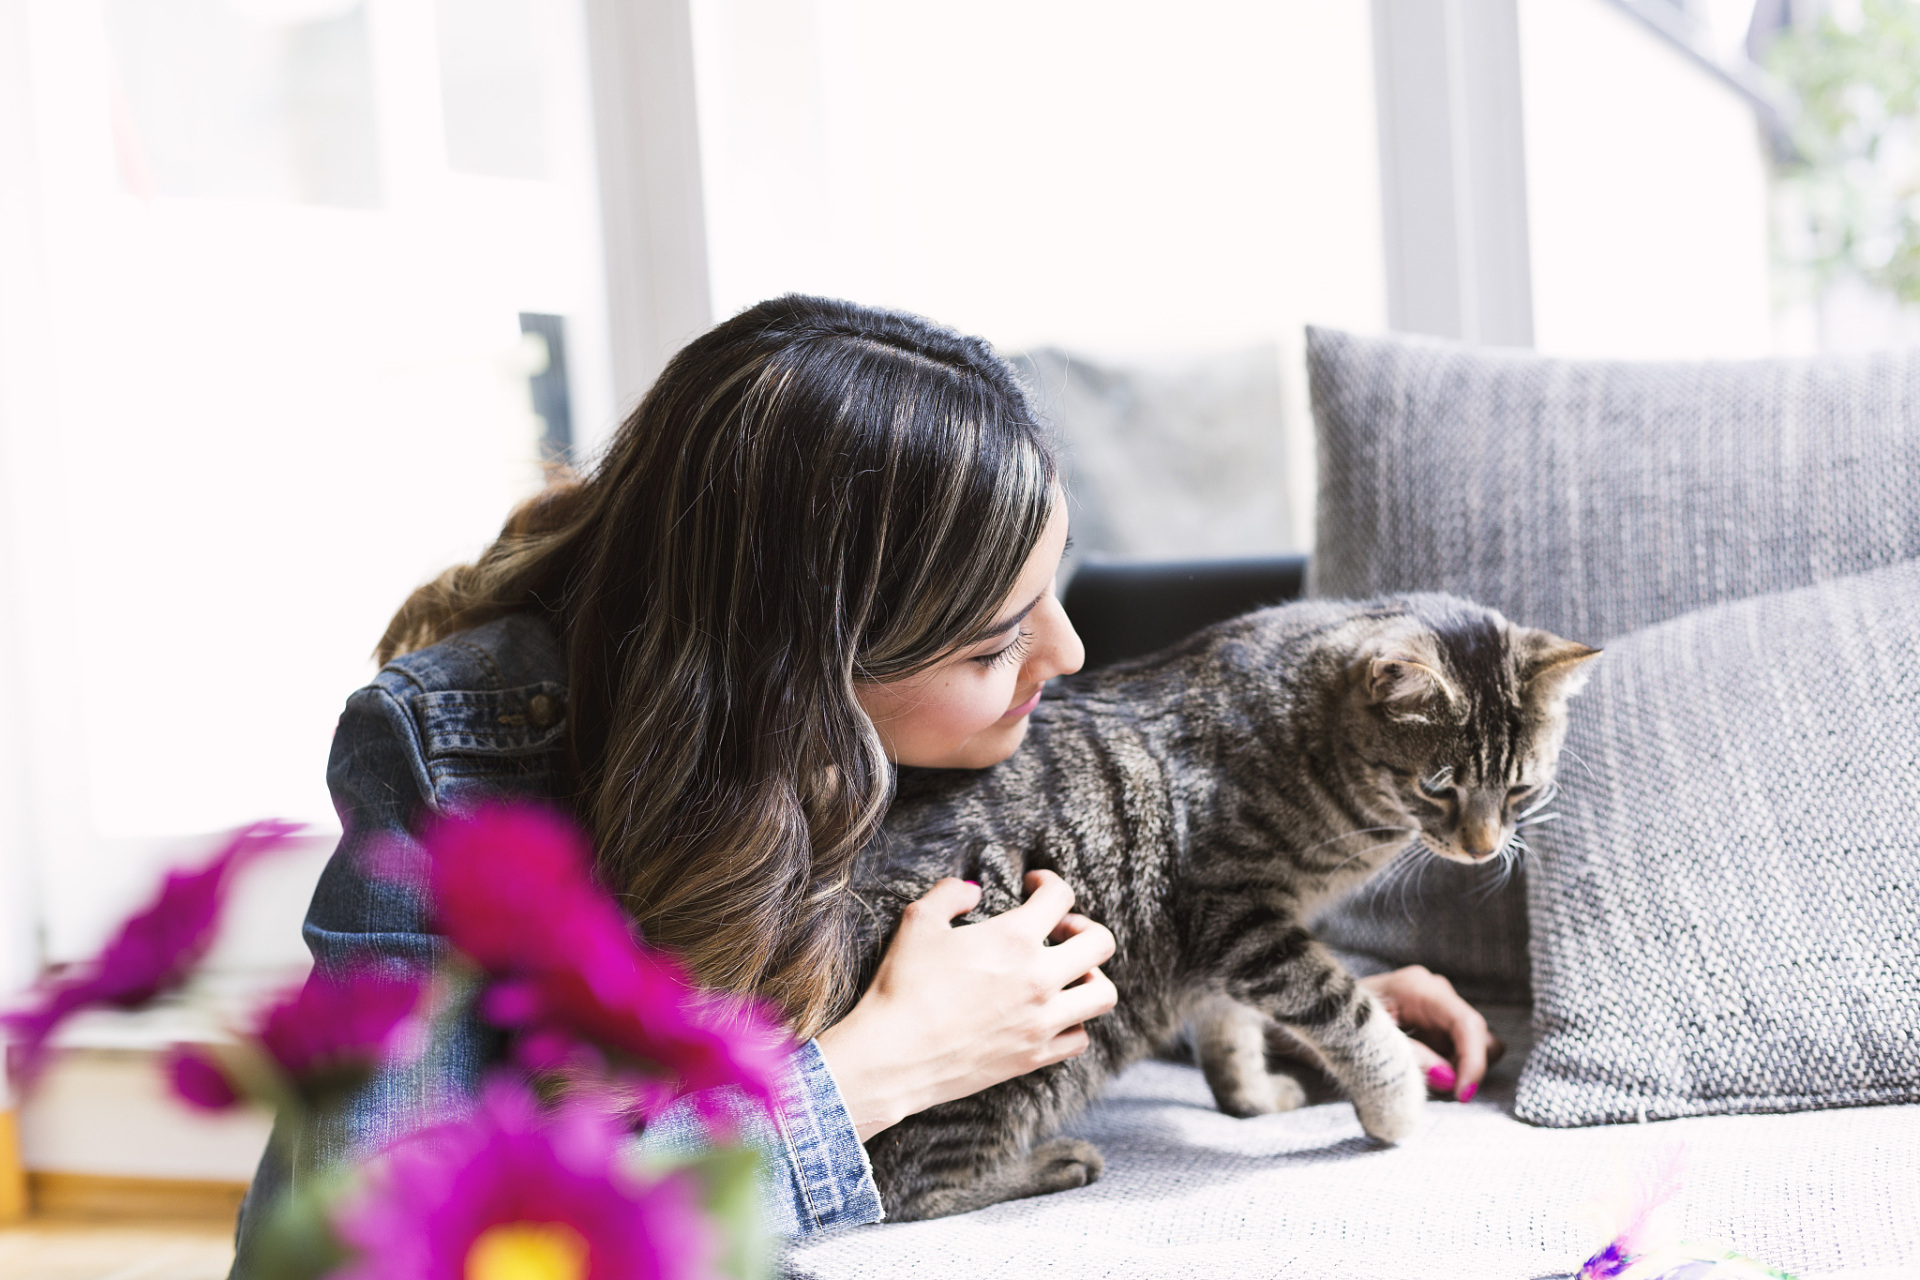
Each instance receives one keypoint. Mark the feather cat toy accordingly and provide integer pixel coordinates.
(1638, 1253)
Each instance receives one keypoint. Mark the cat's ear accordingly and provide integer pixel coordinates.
(1554, 669)
(1405, 680)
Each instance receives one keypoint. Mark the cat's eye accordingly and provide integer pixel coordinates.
(1439, 786)
(1518, 793)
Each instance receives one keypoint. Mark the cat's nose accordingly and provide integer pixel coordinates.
(1480, 838)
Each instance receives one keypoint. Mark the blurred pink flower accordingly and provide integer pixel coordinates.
(325, 1036)
(154, 951)
(513, 889)
(340, 1026)
(508, 1193)
(196, 1079)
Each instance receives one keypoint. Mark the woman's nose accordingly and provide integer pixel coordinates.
(1057, 650)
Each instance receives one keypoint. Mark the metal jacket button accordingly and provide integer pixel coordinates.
(543, 710)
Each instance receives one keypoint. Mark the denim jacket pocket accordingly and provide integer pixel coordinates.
(500, 734)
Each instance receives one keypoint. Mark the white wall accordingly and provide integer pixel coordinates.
(1647, 187)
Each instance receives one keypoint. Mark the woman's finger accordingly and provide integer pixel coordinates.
(1070, 1043)
(1470, 1038)
(939, 905)
(1441, 1077)
(1437, 1007)
(1429, 1008)
(1071, 923)
(1088, 999)
(1087, 947)
(1048, 901)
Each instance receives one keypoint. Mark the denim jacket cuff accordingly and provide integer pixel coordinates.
(832, 1176)
(816, 1173)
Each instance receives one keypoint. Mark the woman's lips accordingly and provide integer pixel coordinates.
(1024, 707)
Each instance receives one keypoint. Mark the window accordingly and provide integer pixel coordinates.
(1157, 196)
(303, 262)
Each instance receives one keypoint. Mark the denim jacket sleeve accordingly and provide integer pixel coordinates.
(480, 715)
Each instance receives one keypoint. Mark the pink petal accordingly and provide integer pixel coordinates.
(197, 1081)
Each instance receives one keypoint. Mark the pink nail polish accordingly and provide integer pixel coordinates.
(974, 883)
(1466, 1094)
(1440, 1076)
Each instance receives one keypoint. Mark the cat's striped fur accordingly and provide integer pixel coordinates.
(1204, 803)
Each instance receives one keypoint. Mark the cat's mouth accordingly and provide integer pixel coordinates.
(1454, 853)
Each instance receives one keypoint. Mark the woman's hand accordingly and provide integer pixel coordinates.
(1427, 1006)
(956, 1009)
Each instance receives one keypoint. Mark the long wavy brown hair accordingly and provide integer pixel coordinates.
(813, 494)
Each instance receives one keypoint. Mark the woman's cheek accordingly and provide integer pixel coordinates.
(955, 720)
(973, 705)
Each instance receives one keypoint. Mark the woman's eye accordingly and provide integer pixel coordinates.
(1015, 650)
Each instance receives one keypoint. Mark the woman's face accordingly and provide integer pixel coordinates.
(969, 710)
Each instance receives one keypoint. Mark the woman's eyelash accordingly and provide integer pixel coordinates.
(1014, 652)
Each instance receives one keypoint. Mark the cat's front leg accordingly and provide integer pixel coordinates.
(1298, 983)
(1378, 1068)
(1230, 1040)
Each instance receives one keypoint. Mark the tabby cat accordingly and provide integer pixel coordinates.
(1204, 803)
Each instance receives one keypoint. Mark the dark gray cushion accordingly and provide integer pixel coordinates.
(1590, 498)
(1726, 916)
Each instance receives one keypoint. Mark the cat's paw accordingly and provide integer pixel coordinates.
(1063, 1164)
(1397, 1108)
(1263, 1095)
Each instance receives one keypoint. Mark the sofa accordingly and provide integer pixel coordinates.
(1710, 964)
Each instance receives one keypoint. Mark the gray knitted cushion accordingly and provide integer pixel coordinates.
(1727, 914)
(1590, 498)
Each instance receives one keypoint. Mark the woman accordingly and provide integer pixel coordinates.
(823, 545)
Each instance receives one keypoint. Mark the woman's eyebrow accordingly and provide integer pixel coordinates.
(1001, 628)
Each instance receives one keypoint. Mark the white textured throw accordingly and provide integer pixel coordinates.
(1195, 1195)
(1726, 916)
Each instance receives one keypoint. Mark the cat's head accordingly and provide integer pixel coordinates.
(1459, 716)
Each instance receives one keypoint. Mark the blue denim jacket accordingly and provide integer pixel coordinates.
(481, 715)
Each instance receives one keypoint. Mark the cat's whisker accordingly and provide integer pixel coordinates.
(1397, 870)
(1512, 855)
(1405, 875)
(1380, 878)
(1361, 831)
(1575, 757)
(1373, 848)
(1536, 820)
(1486, 889)
(1417, 883)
